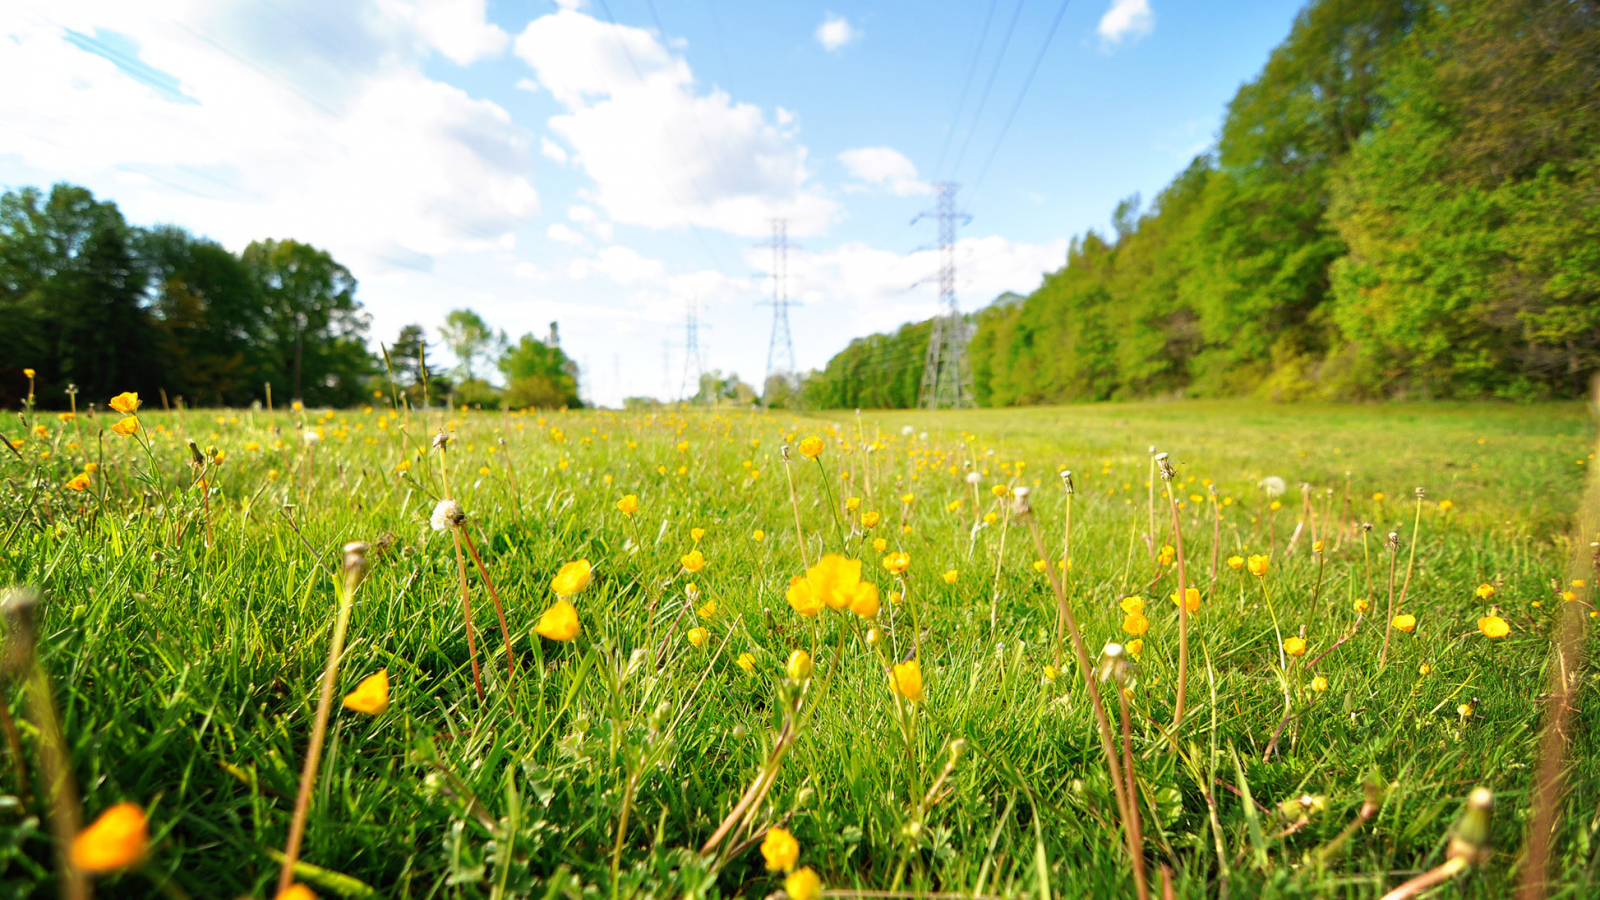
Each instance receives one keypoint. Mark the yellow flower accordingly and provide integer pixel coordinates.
(990, 518)
(559, 622)
(1235, 562)
(1485, 591)
(1319, 684)
(865, 602)
(880, 544)
(371, 696)
(1191, 597)
(853, 504)
(1361, 604)
(66, 417)
(1294, 646)
(572, 577)
(873, 637)
(1378, 497)
(798, 667)
(1135, 646)
(1446, 506)
(1316, 546)
(811, 447)
(91, 468)
(1040, 565)
(1424, 669)
(28, 372)
(683, 446)
(127, 427)
(695, 534)
(1135, 623)
(628, 505)
(1275, 505)
(747, 662)
(694, 560)
(1258, 564)
(758, 535)
(780, 850)
(1493, 627)
(907, 498)
(897, 562)
(803, 885)
(999, 490)
(834, 580)
(1051, 673)
(41, 432)
(869, 519)
(272, 474)
(697, 637)
(252, 446)
(895, 598)
(908, 680)
(952, 506)
(1568, 596)
(1133, 604)
(126, 403)
(1405, 622)
(79, 482)
(296, 892)
(708, 610)
(116, 840)
(802, 597)
(951, 576)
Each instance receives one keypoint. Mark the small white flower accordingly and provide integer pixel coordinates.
(974, 478)
(446, 515)
(1273, 485)
(310, 437)
(1020, 492)
(906, 431)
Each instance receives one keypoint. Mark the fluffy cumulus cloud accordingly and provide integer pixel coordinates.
(1126, 20)
(835, 32)
(661, 152)
(244, 120)
(884, 167)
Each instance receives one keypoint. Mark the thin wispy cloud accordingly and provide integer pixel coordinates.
(1126, 20)
(835, 32)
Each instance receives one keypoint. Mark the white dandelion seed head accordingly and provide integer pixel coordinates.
(310, 437)
(446, 515)
(1273, 485)
(974, 478)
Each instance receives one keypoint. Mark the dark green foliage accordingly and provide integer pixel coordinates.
(539, 374)
(881, 371)
(87, 299)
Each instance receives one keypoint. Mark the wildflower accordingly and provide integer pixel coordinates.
(371, 696)
(1040, 565)
(272, 474)
(1465, 710)
(1568, 596)
(865, 601)
(1361, 604)
(1191, 599)
(907, 498)
(1234, 562)
(853, 504)
(28, 372)
(1276, 505)
(895, 597)
(312, 438)
(1136, 646)
(798, 667)
(952, 506)
(1051, 673)
(126, 403)
(1316, 546)
(908, 680)
(758, 535)
(1135, 623)
(296, 892)
(1133, 605)
(1378, 497)
(1446, 506)
(41, 432)
(880, 544)
(811, 447)
(1319, 684)
(1405, 622)
(951, 576)
(803, 885)
(1258, 565)
(999, 490)
(989, 518)
(802, 597)
(79, 482)
(1484, 591)
(571, 578)
(1166, 555)
(66, 417)
(1493, 627)
(780, 850)
(697, 637)
(116, 840)
(127, 427)
(296, 406)
(446, 515)
(869, 519)
(747, 662)
(694, 560)
(695, 534)
(898, 562)
(252, 447)
(628, 505)
(1424, 669)
(1294, 645)
(559, 622)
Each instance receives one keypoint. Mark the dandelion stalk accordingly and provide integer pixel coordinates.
(794, 501)
(355, 570)
(1388, 622)
(1137, 839)
(1167, 474)
(494, 595)
(1411, 559)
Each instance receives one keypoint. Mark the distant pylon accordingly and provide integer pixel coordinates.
(946, 376)
(691, 352)
(780, 350)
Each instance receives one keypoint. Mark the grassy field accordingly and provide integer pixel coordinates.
(190, 598)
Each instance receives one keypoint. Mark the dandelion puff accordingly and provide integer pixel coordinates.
(1273, 485)
(446, 515)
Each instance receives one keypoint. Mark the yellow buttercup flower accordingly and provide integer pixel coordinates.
(853, 504)
(78, 482)
(990, 518)
(898, 562)
(758, 535)
(908, 680)
(1133, 604)
(1258, 564)
(1191, 598)
(628, 505)
(802, 597)
(1319, 684)
(115, 840)
(999, 490)
(697, 637)
(28, 372)
(869, 519)
(1361, 605)
(880, 544)
(694, 560)
(798, 667)
(1446, 506)
(1405, 622)
(747, 662)
(1378, 497)
(296, 892)
(865, 602)
(126, 403)
(1493, 627)
(1235, 562)
(1484, 591)
(811, 447)
(371, 696)
(951, 576)
(780, 850)
(66, 417)
(572, 577)
(1294, 646)
(803, 885)
(127, 427)
(907, 498)
(559, 622)
(1135, 646)
(1135, 623)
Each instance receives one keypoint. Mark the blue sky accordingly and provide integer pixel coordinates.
(608, 164)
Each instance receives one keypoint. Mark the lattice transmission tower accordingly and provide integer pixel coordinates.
(780, 349)
(692, 360)
(947, 376)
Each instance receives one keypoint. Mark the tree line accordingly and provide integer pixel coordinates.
(1405, 202)
(91, 303)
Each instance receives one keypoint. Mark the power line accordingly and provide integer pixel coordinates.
(1026, 83)
(988, 86)
(966, 86)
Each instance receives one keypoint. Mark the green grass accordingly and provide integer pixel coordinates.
(187, 672)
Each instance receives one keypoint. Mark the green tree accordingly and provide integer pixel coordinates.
(209, 317)
(539, 374)
(471, 340)
(315, 328)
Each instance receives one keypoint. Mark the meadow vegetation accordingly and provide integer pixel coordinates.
(727, 655)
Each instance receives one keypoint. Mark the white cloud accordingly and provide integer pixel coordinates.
(835, 32)
(621, 265)
(1126, 19)
(456, 28)
(553, 151)
(563, 234)
(885, 167)
(662, 154)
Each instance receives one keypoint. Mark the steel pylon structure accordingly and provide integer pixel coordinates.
(947, 376)
(780, 349)
(692, 360)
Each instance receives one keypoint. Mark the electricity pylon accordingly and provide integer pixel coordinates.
(780, 349)
(947, 376)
